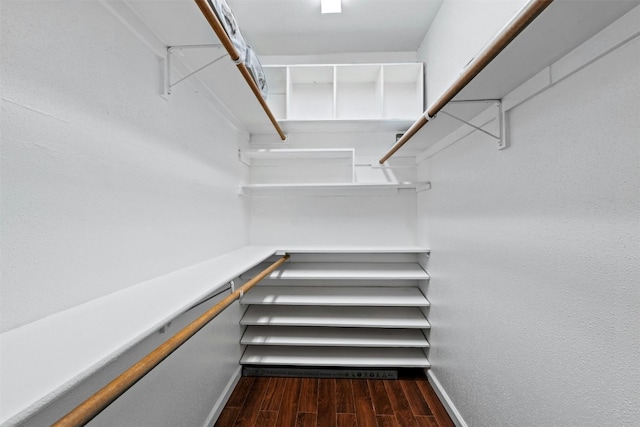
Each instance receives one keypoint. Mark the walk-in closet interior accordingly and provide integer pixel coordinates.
(198, 191)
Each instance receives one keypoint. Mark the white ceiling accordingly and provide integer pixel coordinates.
(296, 27)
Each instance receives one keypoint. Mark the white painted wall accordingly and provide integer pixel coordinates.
(105, 185)
(536, 257)
(355, 219)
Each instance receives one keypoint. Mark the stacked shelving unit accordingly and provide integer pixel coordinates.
(361, 310)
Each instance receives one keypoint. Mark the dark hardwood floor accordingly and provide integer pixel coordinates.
(309, 402)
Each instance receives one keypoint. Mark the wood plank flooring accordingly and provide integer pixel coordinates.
(324, 402)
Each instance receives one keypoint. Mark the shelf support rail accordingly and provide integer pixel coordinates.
(95, 404)
(167, 64)
(217, 27)
(517, 24)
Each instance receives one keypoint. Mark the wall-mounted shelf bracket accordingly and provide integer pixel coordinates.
(168, 85)
(501, 138)
(423, 187)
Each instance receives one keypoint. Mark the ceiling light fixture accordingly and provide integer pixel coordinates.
(330, 6)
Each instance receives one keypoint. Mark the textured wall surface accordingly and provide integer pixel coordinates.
(104, 183)
(349, 219)
(536, 257)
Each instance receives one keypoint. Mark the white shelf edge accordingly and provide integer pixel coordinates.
(338, 356)
(333, 337)
(298, 153)
(331, 316)
(330, 189)
(398, 125)
(350, 271)
(355, 249)
(339, 296)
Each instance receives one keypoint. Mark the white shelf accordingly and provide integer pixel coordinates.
(346, 125)
(337, 296)
(31, 377)
(331, 189)
(172, 23)
(356, 249)
(364, 317)
(354, 93)
(293, 153)
(334, 337)
(335, 356)
(350, 270)
(538, 52)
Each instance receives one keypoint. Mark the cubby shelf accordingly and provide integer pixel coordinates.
(354, 93)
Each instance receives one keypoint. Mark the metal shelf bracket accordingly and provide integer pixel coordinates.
(502, 122)
(168, 85)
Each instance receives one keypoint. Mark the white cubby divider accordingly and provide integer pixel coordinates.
(322, 92)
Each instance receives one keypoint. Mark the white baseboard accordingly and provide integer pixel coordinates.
(224, 397)
(456, 417)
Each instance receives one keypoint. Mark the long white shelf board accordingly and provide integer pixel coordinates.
(364, 317)
(331, 189)
(350, 270)
(170, 22)
(347, 125)
(342, 295)
(355, 249)
(81, 340)
(299, 153)
(561, 28)
(333, 337)
(335, 356)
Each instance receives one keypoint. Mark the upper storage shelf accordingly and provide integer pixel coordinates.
(193, 23)
(546, 51)
(358, 93)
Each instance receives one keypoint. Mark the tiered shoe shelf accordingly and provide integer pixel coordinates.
(339, 314)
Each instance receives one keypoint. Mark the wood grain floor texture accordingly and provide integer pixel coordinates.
(323, 402)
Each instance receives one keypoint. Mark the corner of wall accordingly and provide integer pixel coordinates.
(224, 397)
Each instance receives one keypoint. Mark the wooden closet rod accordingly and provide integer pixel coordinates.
(95, 404)
(488, 54)
(228, 45)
